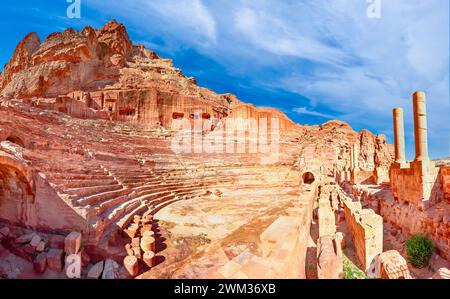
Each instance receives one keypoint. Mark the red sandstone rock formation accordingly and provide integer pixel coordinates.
(106, 76)
(75, 156)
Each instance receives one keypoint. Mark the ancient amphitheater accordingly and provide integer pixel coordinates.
(88, 167)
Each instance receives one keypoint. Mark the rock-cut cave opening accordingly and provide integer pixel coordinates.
(14, 189)
(308, 178)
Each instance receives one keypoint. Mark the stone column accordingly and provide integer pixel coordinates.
(356, 155)
(399, 136)
(352, 160)
(420, 126)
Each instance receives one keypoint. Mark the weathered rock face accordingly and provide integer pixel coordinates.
(62, 62)
(85, 145)
(90, 60)
(115, 45)
(329, 258)
(66, 61)
(21, 59)
(330, 148)
(100, 74)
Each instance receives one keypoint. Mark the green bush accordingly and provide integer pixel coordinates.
(419, 249)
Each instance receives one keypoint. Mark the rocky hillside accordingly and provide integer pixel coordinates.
(91, 60)
(106, 59)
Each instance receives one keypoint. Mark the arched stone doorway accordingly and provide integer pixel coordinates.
(16, 140)
(16, 191)
(308, 178)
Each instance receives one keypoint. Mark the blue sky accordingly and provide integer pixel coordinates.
(315, 60)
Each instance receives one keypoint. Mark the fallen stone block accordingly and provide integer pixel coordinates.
(96, 271)
(72, 243)
(40, 247)
(55, 259)
(149, 258)
(442, 273)
(25, 238)
(56, 242)
(389, 265)
(131, 265)
(27, 248)
(35, 240)
(40, 263)
(393, 266)
(329, 258)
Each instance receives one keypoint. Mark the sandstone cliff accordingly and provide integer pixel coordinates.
(101, 74)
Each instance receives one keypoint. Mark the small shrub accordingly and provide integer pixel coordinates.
(83, 245)
(419, 249)
(351, 271)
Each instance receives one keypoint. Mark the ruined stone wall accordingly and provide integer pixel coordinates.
(325, 213)
(366, 229)
(416, 184)
(329, 251)
(433, 222)
(445, 182)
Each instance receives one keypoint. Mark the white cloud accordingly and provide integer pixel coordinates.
(187, 20)
(304, 110)
(190, 14)
(271, 34)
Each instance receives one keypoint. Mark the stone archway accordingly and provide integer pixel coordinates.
(16, 140)
(17, 191)
(308, 178)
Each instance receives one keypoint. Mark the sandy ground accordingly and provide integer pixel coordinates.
(196, 237)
